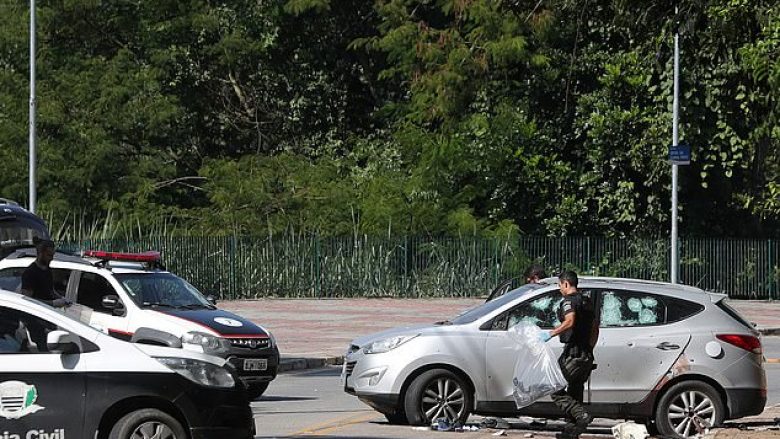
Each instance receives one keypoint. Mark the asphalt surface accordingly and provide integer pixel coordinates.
(311, 403)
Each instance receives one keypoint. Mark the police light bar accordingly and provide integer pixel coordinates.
(126, 257)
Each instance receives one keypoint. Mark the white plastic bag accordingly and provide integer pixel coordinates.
(537, 373)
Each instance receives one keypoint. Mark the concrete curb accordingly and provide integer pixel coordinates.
(292, 364)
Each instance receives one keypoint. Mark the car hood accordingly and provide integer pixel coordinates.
(400, 331)
(221, 322)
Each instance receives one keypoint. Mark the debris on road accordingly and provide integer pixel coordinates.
(499, 423)
(629, 430)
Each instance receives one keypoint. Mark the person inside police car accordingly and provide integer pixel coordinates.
(38, 283)
(578, 331)
(10, 341)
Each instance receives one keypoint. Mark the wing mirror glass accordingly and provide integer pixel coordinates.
(211, 299)
(62, 342)
(113, 303)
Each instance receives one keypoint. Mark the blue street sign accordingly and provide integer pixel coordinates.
(680, 154)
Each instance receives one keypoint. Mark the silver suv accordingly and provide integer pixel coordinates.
(674, 357)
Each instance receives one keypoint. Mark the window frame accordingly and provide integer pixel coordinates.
(503, 318)
(112, 312)
(29, 335)
(662, 298)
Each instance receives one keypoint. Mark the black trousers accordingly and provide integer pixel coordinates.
(576, 364)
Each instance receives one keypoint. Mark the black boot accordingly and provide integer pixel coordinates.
(567, 432)
(581, 423)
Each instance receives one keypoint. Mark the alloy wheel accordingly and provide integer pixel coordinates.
(443, 398)
(691, 412)
(153, 430)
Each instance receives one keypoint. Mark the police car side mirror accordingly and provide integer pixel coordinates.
(62, 342)
(113, 303)
(211, 299)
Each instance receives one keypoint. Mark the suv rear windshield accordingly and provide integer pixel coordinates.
(734, 314)
(16, 231)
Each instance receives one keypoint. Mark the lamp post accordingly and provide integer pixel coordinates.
(32, 188)
(675, 108)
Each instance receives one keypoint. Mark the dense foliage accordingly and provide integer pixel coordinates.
(398, 116)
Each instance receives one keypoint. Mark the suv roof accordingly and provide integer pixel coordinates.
(681, 290)
(18, 226)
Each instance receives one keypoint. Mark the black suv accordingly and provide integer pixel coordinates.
(18, 227)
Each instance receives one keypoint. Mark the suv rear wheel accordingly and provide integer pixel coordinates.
(688, 408)
(148, 424)
(437, 393)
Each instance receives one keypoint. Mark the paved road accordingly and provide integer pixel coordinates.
(312, 403)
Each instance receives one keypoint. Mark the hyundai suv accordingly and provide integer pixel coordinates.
(674, 357)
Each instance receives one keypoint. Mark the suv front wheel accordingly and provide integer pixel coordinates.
(689, 408)
(435, 394)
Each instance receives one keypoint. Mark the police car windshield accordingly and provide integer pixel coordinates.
(486, 308)
(161, 290)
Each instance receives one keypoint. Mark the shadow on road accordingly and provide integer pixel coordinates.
(284, 398)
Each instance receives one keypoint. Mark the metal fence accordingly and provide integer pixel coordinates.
(310, 266)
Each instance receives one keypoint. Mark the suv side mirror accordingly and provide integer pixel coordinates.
(211, 299)
(113, 303)
(62, 342)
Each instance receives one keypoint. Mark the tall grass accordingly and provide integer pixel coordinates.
(296, 264)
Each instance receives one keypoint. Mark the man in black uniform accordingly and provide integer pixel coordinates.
(38, 283)
(579, 331)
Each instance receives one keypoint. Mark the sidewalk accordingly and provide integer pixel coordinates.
(315, 332)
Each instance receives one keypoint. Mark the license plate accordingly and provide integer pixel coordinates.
(256, 364)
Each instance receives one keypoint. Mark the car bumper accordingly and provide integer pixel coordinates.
(745, 402)
(217, 413)
(236, 360)
(370, 375)
(385, 403)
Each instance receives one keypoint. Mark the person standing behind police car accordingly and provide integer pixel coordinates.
(578, 331)
(37, 279)
(38, 283)
(534, 274)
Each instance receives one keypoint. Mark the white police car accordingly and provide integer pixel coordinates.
(119, 293)
(85, 384)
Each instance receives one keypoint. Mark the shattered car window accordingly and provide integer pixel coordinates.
(624, 308)
(541, 311)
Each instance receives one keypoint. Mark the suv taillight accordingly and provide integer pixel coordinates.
(746, 342)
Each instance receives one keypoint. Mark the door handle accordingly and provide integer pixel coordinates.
(666, 346)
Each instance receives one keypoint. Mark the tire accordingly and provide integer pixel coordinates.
(687, 405)
(147, 424)
(396, 418)
(256, 390)
(437, 393)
